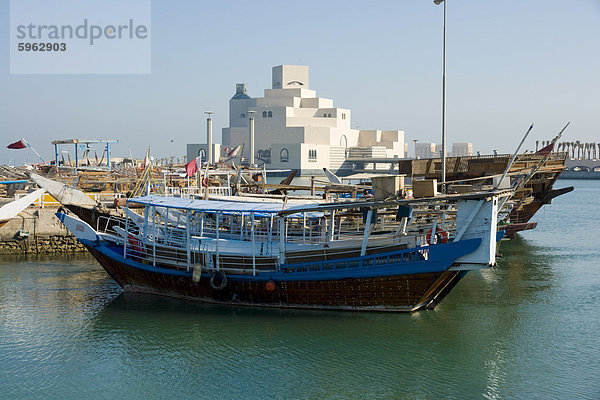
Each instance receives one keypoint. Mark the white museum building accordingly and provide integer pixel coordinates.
(295, 129)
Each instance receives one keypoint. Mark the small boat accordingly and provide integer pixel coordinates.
(12, 209)
(355, 255)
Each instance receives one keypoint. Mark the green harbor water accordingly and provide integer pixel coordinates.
(528, 329)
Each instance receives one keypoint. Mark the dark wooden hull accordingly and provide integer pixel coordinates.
(511, 230)
(403, 293)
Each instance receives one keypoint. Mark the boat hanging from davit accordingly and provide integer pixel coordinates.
(393, 255)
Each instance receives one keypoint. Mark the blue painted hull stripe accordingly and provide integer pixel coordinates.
(441, 257)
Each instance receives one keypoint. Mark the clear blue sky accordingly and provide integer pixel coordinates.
(509, 63)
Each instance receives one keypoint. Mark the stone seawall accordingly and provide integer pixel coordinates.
(37, 231)
(41, 245)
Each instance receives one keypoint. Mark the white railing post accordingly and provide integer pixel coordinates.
(304, 227)
(331, 232)
(281, 240)
(242, 226)
(363, 249)
(253, 247)
(187, 237)
(126, 231)
(154, 234)
(217, 218)
(202, 223)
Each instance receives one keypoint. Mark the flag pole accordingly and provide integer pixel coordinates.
(36, 153)
(514, 156)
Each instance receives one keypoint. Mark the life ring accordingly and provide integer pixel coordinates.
(220, 282)
(270, 286)
(136, 244)
(442, 236)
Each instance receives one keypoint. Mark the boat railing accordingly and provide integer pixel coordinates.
(153, 252)
(184, 192)
(105, 224)
(300, 230)
(157, 253)
(194, 191)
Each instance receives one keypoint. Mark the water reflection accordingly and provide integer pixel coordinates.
(73, 321)
(446, 352)
(525, 269)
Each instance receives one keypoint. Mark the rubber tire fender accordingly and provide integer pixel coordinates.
(222, 278)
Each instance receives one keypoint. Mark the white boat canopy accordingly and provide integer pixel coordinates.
(208, 205)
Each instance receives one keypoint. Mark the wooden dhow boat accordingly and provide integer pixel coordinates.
(358, 255)
(542, 171)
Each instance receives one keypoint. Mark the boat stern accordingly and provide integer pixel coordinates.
(478, 219)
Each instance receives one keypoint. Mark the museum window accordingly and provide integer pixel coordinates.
(264, 114)
(343, 115)
(242, 115)
(312, 155)
(270, 114)
(284, 155)
(329, 115)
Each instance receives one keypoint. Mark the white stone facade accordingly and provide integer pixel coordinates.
(295, 129)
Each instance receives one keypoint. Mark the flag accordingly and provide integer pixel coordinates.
(146, 159)
(192, 167)
(331, 176)
(544, 151)
(234, 151)
(21, 144)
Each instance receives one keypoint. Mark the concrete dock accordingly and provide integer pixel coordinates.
(37, 231)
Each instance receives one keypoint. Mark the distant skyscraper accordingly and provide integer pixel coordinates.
(462, 149)
(427, 150)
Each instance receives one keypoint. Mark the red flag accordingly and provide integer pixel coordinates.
(17, 145)
(544, 151)
(192, 167)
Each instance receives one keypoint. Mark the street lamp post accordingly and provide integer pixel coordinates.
(437, 2)
(415, 140)
(251, 129)
(209, 159)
